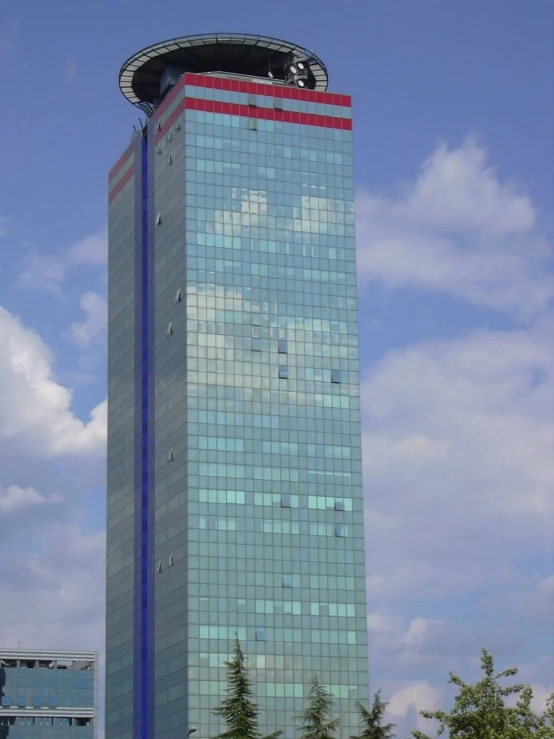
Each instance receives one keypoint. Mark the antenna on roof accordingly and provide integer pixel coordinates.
(296, 71)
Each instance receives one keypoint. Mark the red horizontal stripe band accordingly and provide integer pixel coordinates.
(121, 161)
(259, 88)
(171, 95)
(269, 114)
(248, 111)
(121, 184)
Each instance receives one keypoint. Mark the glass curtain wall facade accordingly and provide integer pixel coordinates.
(235, 477)
(47, 694)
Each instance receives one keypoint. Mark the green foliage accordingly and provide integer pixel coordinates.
(480, 711)
(240, 710)
(317, 720)
(371, 720)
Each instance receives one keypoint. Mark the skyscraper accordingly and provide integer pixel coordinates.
(234, 457)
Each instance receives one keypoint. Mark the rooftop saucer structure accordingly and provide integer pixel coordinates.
(148, 75)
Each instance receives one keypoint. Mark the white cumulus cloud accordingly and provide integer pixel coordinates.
(458, 229)
(16, 498)
(413, 697)
(457, 448)
(48, 557)
(9, 36)
(71, 71)
(64, 582)
(95, 323)
(35, 409)
(48, 272)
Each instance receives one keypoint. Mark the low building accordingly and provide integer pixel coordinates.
(48, 694)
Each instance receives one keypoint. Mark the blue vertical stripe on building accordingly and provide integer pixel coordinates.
(143, 581)
(149, 225)
(137, 620)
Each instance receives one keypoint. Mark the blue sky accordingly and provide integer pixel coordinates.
(454, 150)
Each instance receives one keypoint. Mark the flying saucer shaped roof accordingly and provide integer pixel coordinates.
(140, 76)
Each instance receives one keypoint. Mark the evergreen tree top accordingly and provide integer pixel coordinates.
(371, 721)
(239, 709)
(317, 721)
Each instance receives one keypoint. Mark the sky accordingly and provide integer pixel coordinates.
(454, 154)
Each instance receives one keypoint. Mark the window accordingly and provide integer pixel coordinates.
(323, 502)
(256, 344)
(278, 103)
(335, 375)
(285, 501)
(287, 581)
(260, 633)
(283, 346)
(252, 100)
(252, 125)
(340, 530)
(283, 372)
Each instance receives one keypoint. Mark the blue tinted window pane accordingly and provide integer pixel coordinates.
(283, 372)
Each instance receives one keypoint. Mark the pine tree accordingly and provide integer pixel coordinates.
(317, 721)
(371, 720)
(240, 710)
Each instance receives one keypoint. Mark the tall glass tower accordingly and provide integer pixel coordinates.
(234, 456)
